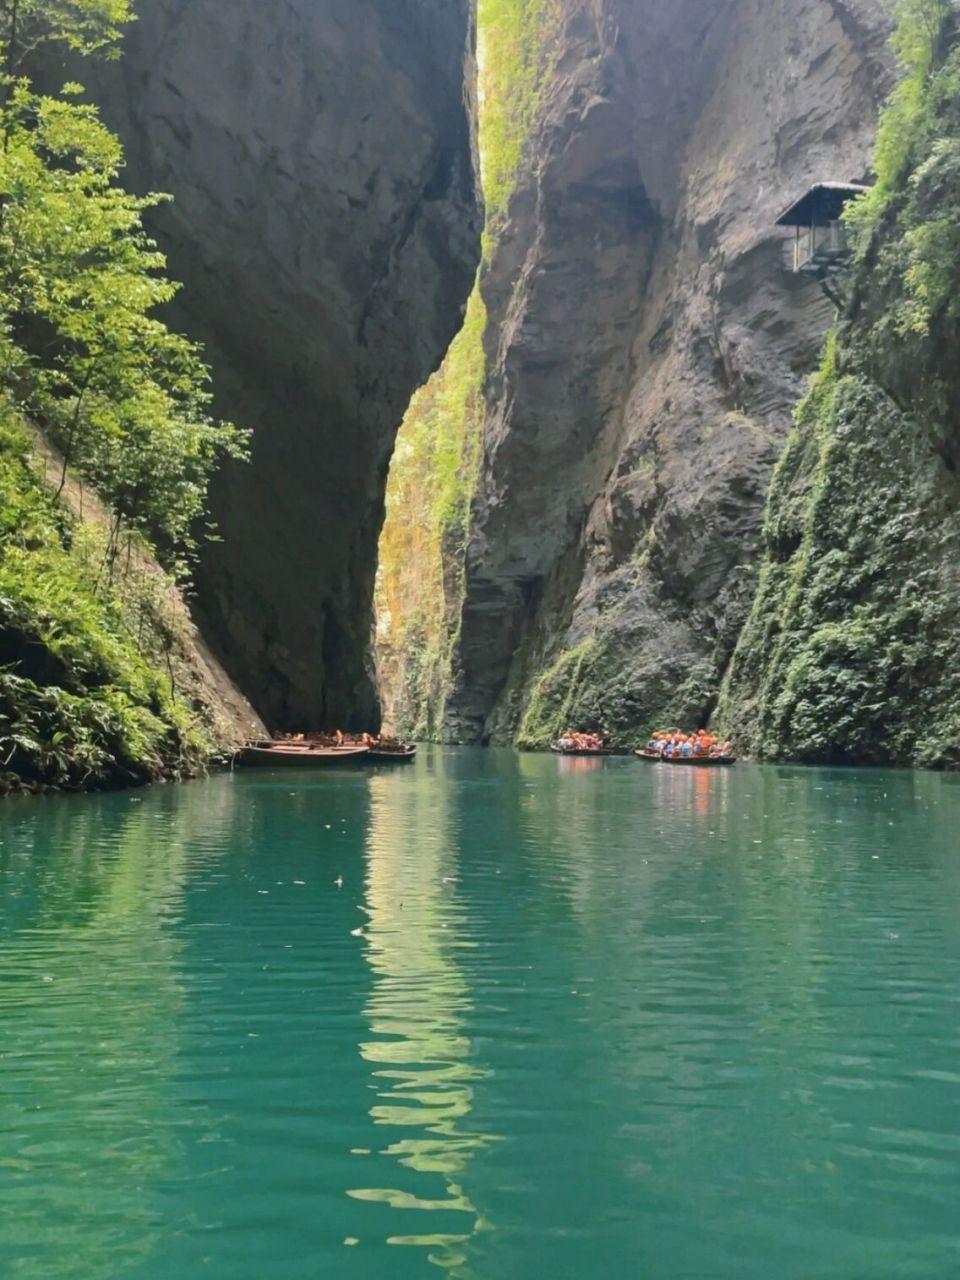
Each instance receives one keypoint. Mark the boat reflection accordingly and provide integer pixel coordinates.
(579, 764)
(419, 1048)
(703, 791)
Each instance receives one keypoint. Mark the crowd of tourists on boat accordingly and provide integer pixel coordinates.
(591, 743)
(673, 746)
(700, 745)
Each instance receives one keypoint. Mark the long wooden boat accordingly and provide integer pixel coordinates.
(701, 762)
(395, 755)
(582, 751)
(295, 755)
(647, 755)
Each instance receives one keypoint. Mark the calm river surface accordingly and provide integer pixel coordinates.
(501, 1016)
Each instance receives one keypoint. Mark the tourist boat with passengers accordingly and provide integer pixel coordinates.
(299, 755)
(582, 745)
(702, 749)
(701, 762)
(392, 753)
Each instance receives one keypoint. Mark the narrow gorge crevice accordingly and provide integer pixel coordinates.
(644, 350)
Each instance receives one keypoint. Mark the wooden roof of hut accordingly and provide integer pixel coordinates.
(822, 204)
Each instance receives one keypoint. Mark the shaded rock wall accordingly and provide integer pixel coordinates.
(646, 349)
(326, 228)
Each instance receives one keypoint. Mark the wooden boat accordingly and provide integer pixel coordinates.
(297, 755)
(702, 762)
(647, 755)
(582, 751)
(396, 755)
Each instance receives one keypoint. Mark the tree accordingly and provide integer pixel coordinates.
(81, 348)
(86, 26)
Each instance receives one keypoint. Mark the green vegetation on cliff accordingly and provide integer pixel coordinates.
(84, 360)
(852, 649)
(87, 675)
(421, 546)
(598, 683)
(434, 468)
(516, 46)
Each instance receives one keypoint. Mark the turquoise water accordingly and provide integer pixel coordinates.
(492, 1015)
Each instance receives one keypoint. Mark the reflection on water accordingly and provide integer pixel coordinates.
(571, 765)
(645, 1020)
(90, 1000)
(421, 1053)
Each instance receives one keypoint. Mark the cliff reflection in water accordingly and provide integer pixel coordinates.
(419, 1047)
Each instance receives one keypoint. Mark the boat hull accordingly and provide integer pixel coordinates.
(300, 757)
(653, 756)
(583, 751)
(392, 757)
(701, 762)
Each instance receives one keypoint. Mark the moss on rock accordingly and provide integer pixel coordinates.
(632, 675)
(852, 648)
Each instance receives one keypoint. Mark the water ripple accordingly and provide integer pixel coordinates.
(490, 1015)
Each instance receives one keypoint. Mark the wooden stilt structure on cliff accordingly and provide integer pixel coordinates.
(821, 247)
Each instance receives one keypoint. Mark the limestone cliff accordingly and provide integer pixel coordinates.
(645, 349)
(852, 648)
(326, 228)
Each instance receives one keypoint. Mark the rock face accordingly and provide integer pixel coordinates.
(851, 651)
(326, 228)
(645, 350)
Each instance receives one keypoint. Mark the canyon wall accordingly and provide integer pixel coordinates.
(851, 651)
(326, 227)
(645, 349)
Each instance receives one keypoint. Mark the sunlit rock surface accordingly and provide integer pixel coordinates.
(646, 350)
